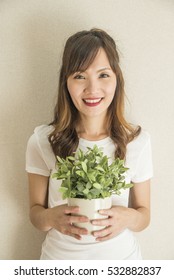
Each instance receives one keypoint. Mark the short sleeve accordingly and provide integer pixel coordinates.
(144, 166)
(34, 159)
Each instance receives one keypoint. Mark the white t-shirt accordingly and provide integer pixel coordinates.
(41, 160)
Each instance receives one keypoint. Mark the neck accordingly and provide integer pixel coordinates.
(93, 128)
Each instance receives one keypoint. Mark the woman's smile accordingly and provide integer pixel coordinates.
(91, 102)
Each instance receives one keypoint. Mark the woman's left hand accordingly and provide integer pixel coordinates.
(115, 223)
(135, 218)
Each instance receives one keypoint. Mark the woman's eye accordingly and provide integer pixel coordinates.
(79, 77)
(104, 75)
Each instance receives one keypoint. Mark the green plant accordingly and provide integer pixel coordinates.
(88, 175)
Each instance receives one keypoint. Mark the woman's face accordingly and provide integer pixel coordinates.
(92, 91)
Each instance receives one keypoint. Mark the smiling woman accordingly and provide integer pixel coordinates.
(90, 64)
(89, 112)
(95, 87)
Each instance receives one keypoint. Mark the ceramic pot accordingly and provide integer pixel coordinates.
(90, 209)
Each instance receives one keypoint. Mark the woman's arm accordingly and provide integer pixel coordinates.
(59, 217)
(140, 205)
(38, 197)
(136, 217)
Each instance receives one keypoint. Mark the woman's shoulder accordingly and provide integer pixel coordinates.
(143, 137)
(139, 157)
(140, 141)
(43, 130)
(39, 138)
(39, 148)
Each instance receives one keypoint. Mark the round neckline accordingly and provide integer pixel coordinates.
(101, 142)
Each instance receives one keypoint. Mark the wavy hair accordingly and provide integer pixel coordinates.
(79, 52)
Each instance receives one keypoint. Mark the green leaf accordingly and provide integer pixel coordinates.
(127, 186)
(71, 158)
(80, 188)
(60, 159)
(100, 168)
(86, 191)
(97, 186)
(80, 173)
(84, 166)
(91, 177)
(54, 175)
(88, 185)
(62, 189)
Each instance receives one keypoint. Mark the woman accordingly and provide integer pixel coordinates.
(89, 111)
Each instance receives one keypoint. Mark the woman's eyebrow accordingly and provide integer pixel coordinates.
(100, 70)
(103, 69)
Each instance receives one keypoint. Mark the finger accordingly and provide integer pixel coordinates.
(102, 233)
(109, 236)
(101, 222)
(77, 230)
(76, 236)
(106, 212)
(78, 219)
(73, 231)
(71, 210)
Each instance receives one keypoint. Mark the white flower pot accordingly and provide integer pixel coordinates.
(90, 209)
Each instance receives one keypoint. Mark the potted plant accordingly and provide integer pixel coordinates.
(88, 181)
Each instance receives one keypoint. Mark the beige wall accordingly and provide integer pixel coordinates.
(32, 35)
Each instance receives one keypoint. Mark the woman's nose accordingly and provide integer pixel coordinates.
(91, 86)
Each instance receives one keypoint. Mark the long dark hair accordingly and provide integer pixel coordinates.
(79, 52)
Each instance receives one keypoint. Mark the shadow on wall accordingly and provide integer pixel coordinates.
(35, 87)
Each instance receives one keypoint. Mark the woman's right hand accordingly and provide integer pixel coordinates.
(61, 218)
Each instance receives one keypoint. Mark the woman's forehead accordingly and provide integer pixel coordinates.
(96, 58)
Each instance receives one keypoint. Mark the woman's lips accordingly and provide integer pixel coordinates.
(92, 101)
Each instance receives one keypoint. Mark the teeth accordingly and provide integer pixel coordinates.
(92, 100)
